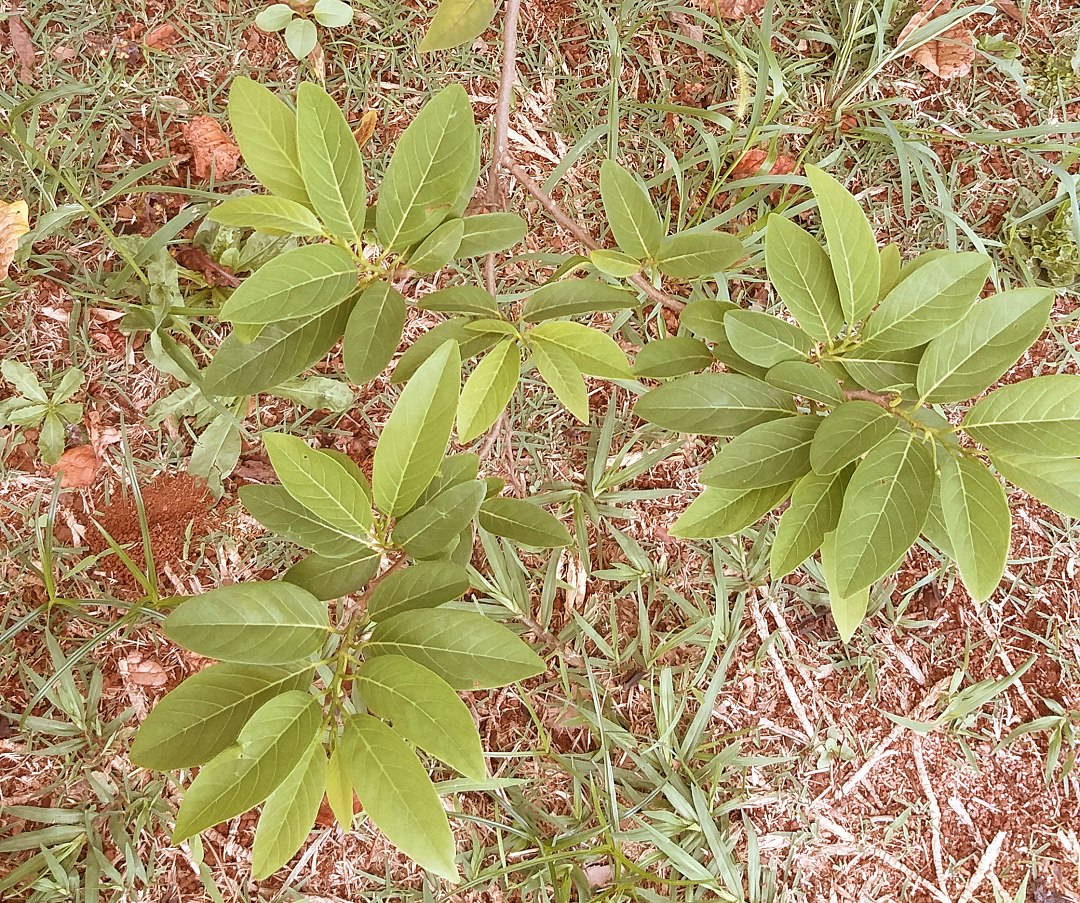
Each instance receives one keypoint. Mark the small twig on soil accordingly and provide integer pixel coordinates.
(777, 663)
(986, 863)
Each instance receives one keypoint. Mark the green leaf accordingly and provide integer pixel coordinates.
(397, 794)
(848, 611)
(438, 249)
(926, 303)
(24, 380)
(265, 130)
(488, 390)
(853, 251)
(848, 433)
(560, 372)
(1040, 414)
(722, 512)
(275, 509)
(457, 22)
(805, 379)
(268, 748)
(704, 317)
(629, 209)
(330, 163)
(321, 484)
(318, 393)
(489, 233)
(301, 36)
(765, 340)
(280, 352)
(274, 18)
(303, 282)
(426, 531)
(289, 813)
(594, 352)
(765, 455)
(467, 650)
(51, 439)
(572, 297)
(1053, 481)
(524, 523)
(339, 789)
(614, 263)
(695, 255)
(268, 214)
(884, 509)
(262, 623)
(801, 273)
(426, 584)
(216, 452)
(453, 471)
(414, 439)
(883, 371)
(202, 716)
(424, 709)
(889, 257)
(333, 13)
(426, 175)
(469, 344)
(977, 521)
(460, 299)
(70, 383)
(373, 332)
(493, 326)
(934, 528)
(713, 404)
(331, 578)
(673, 356)
(814, 512)
(973, 353)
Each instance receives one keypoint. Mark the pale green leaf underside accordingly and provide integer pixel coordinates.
(713, 404)
(488, 390)
(523, 522)
(425, 584)
(722, 512)
(1040, 414)
(457, 22)
(978, 523)
(848, 611)
(800, 271)
(629, 211)
(814, 511)
(289, 813)
(1053, 481)
(765, 455)
(265, 130)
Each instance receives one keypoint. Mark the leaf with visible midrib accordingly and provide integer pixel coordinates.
(466, 649)
(330, 162)
(202, 716)
(571, 297)
(488, 390)
(765, 455)
(289, 813)
(694, 255)
(1053, 481)
(414, 438)
(800, 271)
(265, 622)
(1042, 413)
(321, 484)
(266, 213)
(425, 176)
(972, 354)
(265, 130)
(303, 282)
(629, 211)
(424, 532)
(425, 584)
(814, 510)
(885, 505)
(523, 522)
(848, 611)
(457, 22)
(722, 512)
(397, 794)
(713, 404)
(280, 351)
(373, 332)
(273, 507)
(423, 708)
(848, 433)
(266, 751)
(561, 373)
(978, 523)
(853, 251)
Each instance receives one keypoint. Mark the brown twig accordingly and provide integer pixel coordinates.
(866, 395)
(362, 601)
(502, 106)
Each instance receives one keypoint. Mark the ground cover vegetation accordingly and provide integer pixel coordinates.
(478, 391)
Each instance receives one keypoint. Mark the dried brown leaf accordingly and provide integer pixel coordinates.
(14, 224)
(212, 150)
(77, 466)
(949, 55)
(162, 37)
(363, 132)
(147, 672)
(24, 49)
(732, 9)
